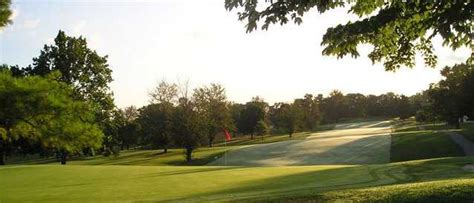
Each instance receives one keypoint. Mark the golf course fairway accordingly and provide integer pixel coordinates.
(353, 143)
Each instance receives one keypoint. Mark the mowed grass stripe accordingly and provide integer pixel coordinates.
(164, 183)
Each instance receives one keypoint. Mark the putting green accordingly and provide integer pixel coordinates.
(353, 143)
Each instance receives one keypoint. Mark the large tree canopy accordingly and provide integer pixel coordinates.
(81, 67)
(397, 29)
(42, 110)
(453, 96)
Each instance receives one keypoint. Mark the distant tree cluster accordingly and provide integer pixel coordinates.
(355, 105)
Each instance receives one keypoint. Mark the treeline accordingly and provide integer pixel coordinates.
(175, 119)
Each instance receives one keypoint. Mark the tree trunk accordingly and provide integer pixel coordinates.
(251, 136)
(210, 143)
(2, 157)
(189, 152)
(165, 150)
(458, 124)
(291, 135)
(3, 147)
(63, 157)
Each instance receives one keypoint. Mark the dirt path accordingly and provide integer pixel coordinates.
(356, 143)
(466, 145)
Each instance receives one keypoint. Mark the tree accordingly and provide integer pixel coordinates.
(253, 112)
(156, 124)
(421, 107)
(130, 113)
(43, 110)
(396, 29)
(235, 111)
(287, 117)
(5, 13)
(81, 67)
(188, 129)
(309, 110)
(452, 97)
(334, 107)
(164, 93)
(127, 126)
(261, 128)
(212, 105)
(155, 120)
(15, 71)
(404, 107)
(356, 105)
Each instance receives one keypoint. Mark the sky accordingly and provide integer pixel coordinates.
(147, 41)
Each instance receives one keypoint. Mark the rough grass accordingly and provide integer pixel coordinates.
(468, 131)
(174, 157)
(424, 144)
(75, 183)
(412, 141)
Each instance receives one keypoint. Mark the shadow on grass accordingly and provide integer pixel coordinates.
(422, 144)
(316, 182)
(174, 157)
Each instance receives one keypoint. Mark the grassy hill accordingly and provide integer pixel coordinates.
(80, 183)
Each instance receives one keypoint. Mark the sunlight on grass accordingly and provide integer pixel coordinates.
(159, 183)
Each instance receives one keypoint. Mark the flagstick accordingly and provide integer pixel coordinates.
(225, 153)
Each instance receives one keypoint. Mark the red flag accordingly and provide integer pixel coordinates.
(227, 135)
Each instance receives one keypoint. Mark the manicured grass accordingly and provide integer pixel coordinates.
(422, 144)
(456, 190)
(245, 140)
(411, 125)
(468, 131)
(350, 145)
(191, 183)
(412, 140)
(174, 157)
